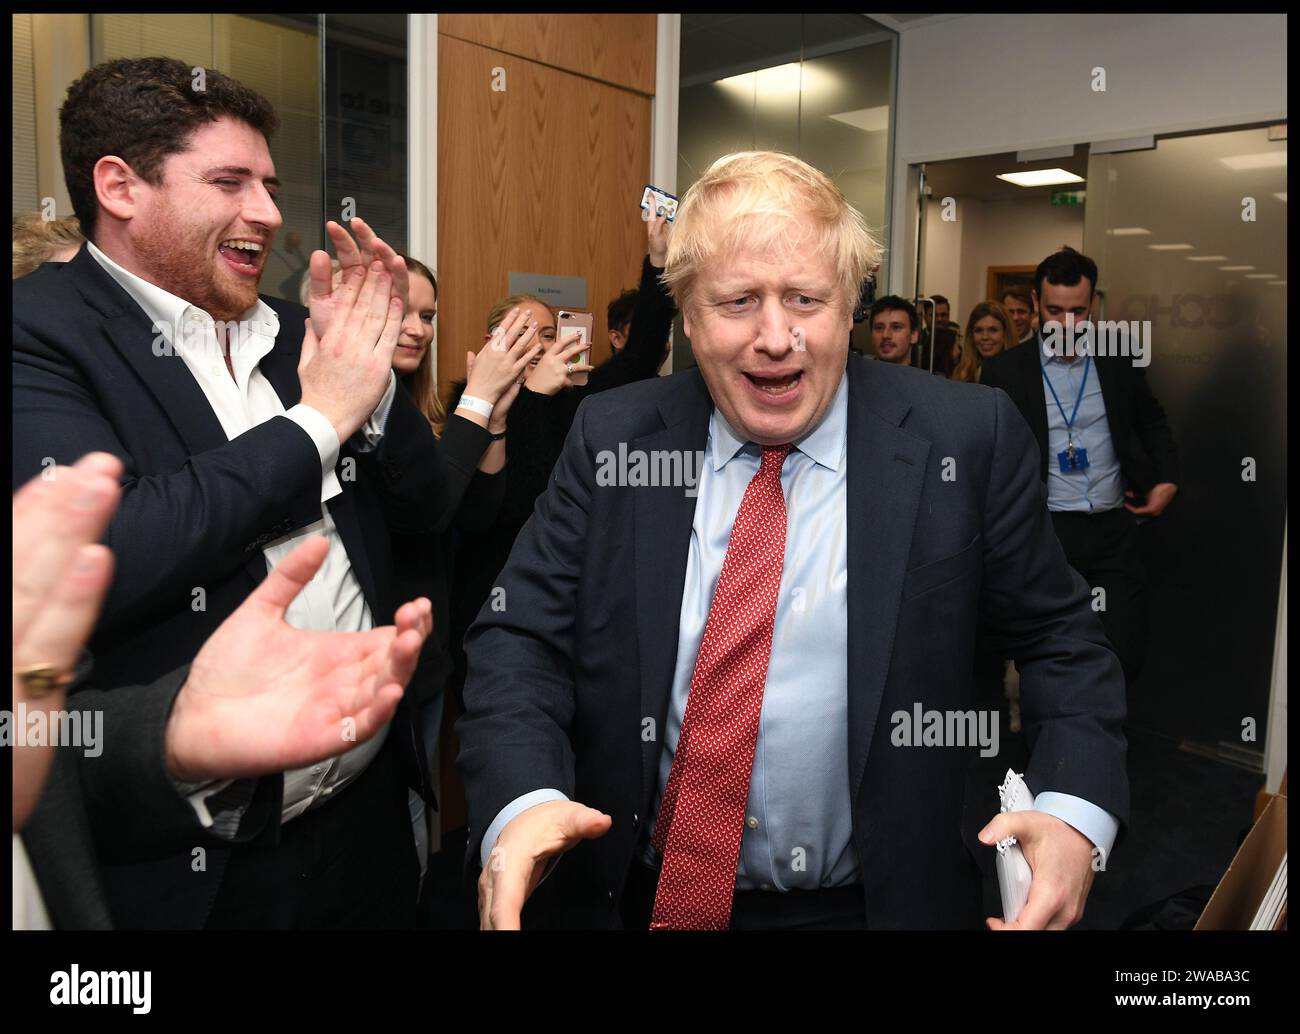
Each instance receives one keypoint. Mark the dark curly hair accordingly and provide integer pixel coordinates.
(142, 110)
(618, 314)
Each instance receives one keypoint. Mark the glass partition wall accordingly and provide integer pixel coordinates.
(338, 83)
(820, 86)
(1191, 235)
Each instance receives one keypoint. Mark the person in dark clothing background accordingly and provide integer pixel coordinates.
(1127, 465)
(539, 422)
(474, 447)
(618, 317)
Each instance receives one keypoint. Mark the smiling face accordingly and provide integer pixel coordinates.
(416, 337)
(1021, 315)
(773, 385)
(205, 234)
(989, 336)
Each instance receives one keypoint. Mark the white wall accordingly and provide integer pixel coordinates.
(943, 255)
(1012, 233)
(991, 233)
(1014, 82)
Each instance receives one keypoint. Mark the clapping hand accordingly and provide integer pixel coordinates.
(264, 697)
(344, 374)
(61, 574)
(497, 371)
(355, 257)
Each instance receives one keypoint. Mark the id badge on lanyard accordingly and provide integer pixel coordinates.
(1073, 457)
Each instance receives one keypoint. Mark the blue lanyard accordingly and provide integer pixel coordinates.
(1069, 424)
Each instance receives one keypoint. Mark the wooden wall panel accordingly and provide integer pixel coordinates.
(614, 48)
(544, 177)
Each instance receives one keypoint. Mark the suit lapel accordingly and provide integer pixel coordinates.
(280, 367)
(165, 375)
(664, 516)
(1104, 371)
(1031, 372)
(884, 481)
(179, 395)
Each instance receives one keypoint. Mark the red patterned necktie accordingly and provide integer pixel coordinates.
(702, 815)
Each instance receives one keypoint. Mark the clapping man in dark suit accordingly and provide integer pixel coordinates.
(244, 430)
(741, 583)
(1125, 462)
(259, 697)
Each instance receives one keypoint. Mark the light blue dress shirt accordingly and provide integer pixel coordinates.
(1099, 488)
(802, 753)
(798, 821)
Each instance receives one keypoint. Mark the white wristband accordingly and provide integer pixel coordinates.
(475, 405)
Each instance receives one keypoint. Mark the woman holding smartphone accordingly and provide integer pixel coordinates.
(540, 418)
(473, 443)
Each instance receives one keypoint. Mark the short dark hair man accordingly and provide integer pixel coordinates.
(1106, 450)
(894, 329)
(243, 427)
(942, 310)
(1018, 300)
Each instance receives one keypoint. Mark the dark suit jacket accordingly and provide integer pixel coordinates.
(539, 425)
(1141, 435)
(120, 806)
(562, 678)
(196, 508)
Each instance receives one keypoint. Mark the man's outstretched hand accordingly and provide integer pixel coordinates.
(264, 697)
(1061, 860)
(523, 850)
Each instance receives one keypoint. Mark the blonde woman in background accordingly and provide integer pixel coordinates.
(988, 332)
(38, 240)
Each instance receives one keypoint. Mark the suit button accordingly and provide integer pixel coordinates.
(635, 817)
(751, 822)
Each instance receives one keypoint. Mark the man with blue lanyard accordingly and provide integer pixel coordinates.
(1108, 454)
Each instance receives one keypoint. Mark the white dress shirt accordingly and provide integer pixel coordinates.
(332, 601)
(29, 906)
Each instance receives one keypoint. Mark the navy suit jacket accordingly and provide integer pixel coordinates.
(196, 510)
(562, 678)
(1140, 432)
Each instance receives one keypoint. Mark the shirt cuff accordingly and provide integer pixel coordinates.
(322, 432)
(519, 804)
(1098, 825)
(368, 438)
(219, 804)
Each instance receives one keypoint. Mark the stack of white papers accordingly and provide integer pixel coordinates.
(1270, 909)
